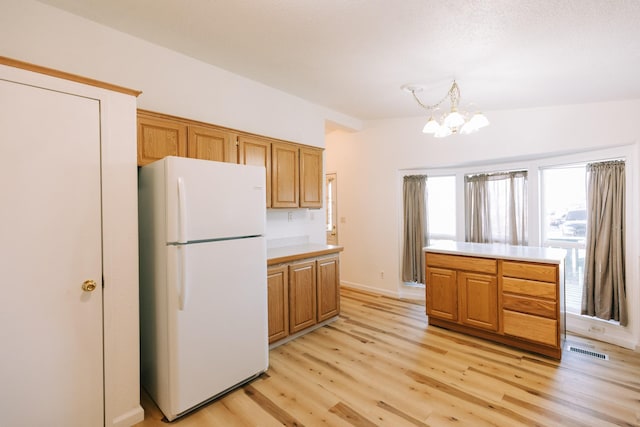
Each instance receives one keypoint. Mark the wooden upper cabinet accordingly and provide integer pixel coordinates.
(212, 144)
(158, 138)
(311, 178)
(285, 175)
(294, 175)
(256, 151)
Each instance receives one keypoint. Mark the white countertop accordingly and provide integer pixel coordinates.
(285, 253)
(497, 250)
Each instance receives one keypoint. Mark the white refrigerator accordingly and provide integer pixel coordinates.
(203, 280)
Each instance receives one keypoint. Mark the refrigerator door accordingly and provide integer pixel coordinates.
(217, 318)
(213, 200)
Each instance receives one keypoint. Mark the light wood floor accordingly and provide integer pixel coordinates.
(381, 365)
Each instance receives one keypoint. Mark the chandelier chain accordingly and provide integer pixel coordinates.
(453, 94)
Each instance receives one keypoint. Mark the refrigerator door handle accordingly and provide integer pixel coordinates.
(182, 276)
(182, 211)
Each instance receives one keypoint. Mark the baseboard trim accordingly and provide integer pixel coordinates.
(129, 418)
(405, 292)
(370, 289)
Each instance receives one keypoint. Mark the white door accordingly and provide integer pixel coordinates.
(51, 367)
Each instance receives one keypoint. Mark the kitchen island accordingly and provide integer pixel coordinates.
(509, 294)
(303, 284)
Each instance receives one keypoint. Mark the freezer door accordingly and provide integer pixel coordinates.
(217, 319)
(213, 200)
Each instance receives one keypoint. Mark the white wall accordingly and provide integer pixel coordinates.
(174, 84)
(171, 83)
(369, 164)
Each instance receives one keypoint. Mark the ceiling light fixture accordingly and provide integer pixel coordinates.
(453, 122)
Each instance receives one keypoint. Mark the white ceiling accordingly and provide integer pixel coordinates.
(353, 55)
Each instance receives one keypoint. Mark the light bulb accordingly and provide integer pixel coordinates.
(432, 126)
(468, 128)
(453, 119)
(479, 120)
(443, 131)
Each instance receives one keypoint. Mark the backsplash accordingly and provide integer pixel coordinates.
(294, 227)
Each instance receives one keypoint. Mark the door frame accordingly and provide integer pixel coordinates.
(119, 226)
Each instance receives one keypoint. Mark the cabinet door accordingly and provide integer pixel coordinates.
(257, 152)
(442, 294)
(158, 138)
(328, 288)
(278, 303)
(212, 144)
(302, 295)
(478, 300)
(285, 175)
(311, 178)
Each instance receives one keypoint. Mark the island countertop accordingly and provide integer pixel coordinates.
(296, 252)
(498, 250)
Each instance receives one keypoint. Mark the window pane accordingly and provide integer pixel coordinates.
(441, 207)
(564, 221)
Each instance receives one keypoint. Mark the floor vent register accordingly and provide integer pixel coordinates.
(591, 353)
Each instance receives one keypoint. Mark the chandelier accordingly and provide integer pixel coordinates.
(453, 122)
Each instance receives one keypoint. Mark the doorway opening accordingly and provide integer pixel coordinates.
(331, 192)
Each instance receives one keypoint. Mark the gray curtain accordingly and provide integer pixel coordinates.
(477, 217)
(496, 208)
(415, 228)
(603, 293)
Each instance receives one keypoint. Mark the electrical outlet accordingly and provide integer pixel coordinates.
(382, 274)
(289, 216)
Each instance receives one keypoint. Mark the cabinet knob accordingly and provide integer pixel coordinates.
(88, 285)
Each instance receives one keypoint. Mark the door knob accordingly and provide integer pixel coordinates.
(88, 285)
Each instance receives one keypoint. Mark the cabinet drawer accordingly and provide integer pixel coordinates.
(529, 287)
(527, 270)
(535, 306)
(465, 263)
(533, 328)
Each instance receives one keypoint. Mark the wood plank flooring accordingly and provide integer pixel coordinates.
(380, 364)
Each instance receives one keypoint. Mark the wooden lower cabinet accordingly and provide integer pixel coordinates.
(302, 294)
(278, 302)
(514, 302)
(328, 287)
(478, 300)
(532, 328)
(442, 293)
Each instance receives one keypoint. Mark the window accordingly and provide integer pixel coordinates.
(563, 223)
(441, 207)
(496, 208)
(555, 202)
